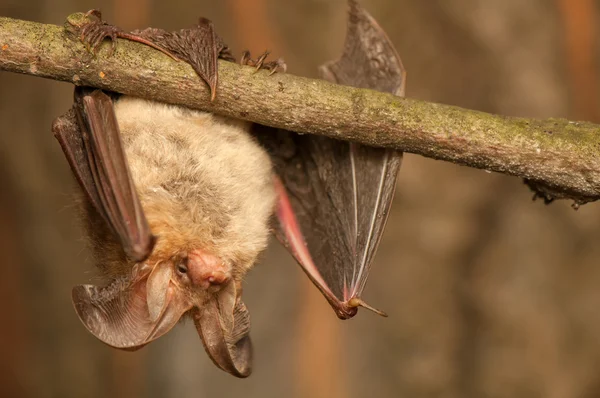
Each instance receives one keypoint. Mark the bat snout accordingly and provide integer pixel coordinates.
(206, 270)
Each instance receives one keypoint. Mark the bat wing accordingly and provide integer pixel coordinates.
(89, 136)
(334, 196)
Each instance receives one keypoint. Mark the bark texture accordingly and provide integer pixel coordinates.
(558, 158)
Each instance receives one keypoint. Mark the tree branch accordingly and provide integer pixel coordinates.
(559, 158)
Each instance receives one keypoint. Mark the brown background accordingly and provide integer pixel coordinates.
(489, 293)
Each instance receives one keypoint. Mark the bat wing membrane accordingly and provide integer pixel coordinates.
(337, 195)
(199, 46)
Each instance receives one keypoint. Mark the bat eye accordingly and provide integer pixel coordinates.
(182, 268)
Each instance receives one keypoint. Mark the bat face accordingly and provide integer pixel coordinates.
(206, 190)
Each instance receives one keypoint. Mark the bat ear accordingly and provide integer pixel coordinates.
(223, 323)
(129, 315)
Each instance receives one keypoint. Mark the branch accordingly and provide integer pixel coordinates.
(559, 158)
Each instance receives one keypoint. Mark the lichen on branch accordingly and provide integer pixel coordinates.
(558, 158)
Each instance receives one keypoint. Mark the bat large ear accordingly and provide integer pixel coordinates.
(130, 314)
(223, 323)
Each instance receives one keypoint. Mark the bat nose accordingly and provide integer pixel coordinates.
(215, 277)
(205, 269)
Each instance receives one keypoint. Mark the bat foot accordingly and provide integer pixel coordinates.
(94, 30)
(278, 65)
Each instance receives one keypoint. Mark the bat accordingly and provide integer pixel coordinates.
(177, 203)
(173, 226)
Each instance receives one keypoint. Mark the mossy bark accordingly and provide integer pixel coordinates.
(559, 158)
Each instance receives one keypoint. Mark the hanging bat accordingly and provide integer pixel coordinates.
(177, 202)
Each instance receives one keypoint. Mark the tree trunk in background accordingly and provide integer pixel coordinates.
(13, 345)
(580, 40)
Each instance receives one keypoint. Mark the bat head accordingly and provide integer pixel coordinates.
(134, 310)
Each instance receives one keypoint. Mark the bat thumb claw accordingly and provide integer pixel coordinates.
(356, 302)
(213, 91)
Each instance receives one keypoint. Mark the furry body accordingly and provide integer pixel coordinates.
(203, 181)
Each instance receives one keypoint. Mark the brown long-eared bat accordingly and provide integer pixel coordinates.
(177, 203)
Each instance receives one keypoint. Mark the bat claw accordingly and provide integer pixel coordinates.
(93, 32)
(277, 66)
(246, 57)
(261, 59)
(94, 12)
(113, 47)
(272, 66)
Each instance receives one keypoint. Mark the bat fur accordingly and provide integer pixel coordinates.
(202, 180)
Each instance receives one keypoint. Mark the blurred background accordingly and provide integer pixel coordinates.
(489, 293)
